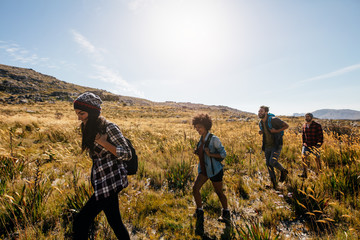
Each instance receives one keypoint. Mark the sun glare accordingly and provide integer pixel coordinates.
(187, 34)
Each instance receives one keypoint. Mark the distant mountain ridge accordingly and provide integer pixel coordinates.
(340, 114)
(22, 85)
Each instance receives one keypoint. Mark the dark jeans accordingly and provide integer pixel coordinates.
(272, 155)
(92, 208)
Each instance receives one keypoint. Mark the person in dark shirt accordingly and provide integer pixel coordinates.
(312, 136)
(272, 129)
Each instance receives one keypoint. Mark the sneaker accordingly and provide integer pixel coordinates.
(283, 176)
(225, 217)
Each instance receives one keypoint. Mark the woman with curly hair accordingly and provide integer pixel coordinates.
(108, 149)
(210, 152)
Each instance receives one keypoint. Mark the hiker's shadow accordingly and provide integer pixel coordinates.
(199, 230)
(228, 231)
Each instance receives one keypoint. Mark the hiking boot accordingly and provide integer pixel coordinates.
(283, 176)
(225, 217)
(199, 227)
(199, 214)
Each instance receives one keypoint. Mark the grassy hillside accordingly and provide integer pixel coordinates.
(45, 177)
(23, 85)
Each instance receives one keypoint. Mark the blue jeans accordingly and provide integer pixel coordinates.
(306, 151)
(272, 156)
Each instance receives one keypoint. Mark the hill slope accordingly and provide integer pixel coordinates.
(346, 114)
(22, 85)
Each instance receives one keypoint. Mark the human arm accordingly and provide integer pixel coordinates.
(102, 140)
(218, 150)
(213, 155)
(114, 142)
(304, 135)
(283, 127)
(320, 136)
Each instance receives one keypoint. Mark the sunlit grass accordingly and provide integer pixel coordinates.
(44, 140)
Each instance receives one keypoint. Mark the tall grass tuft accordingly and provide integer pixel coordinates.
(10, 167)
(26, 206)
(345, 183)
(310, 204)
(179, 175)
(253, 230)
(74, 202)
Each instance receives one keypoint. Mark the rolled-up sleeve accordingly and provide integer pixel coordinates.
(219, 147)
(115, 136)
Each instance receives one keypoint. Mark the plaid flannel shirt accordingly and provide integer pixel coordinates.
(313, 135)
(108, 174)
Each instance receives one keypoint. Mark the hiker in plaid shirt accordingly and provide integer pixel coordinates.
(312, 136)
(108, 149)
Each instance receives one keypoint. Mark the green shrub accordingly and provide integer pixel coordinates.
(179, 175)
(73, 204)
(9, 168)
(311, 205)
(254, 231)
(345, 182)
(27, 206)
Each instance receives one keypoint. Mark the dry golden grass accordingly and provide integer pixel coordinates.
(46, 138)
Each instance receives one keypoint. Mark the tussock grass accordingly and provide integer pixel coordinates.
(45, 176)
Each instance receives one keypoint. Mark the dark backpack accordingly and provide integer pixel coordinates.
(132, 164)
(269, 119)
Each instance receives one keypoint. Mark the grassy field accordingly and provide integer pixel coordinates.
(45, 177)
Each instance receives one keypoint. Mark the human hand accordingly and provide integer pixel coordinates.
(207, 151)
(100, 138)
(273, 130)
(196, 151)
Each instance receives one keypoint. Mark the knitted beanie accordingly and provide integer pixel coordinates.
(310, 115)
(89, 103)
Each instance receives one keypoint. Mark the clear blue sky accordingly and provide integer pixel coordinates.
(294, 56)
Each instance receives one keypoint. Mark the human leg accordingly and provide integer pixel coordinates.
(84, 219)
(316, 152)
(305, 160)
(275, 154)
(199, 182)
(318, 163)
(218, 186)
(112, 213)
(225, 215)
(268, 156)
(273, 160)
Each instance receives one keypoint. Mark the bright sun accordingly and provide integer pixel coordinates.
(189, 34)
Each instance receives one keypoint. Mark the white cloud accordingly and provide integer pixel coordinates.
(103, 73)
(87, 46)
(135, 5)
(333, 74)
(19, 54)
(120, 85)
(83, 42)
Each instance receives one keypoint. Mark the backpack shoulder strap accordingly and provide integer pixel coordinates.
(269, 121)
(208, 140)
